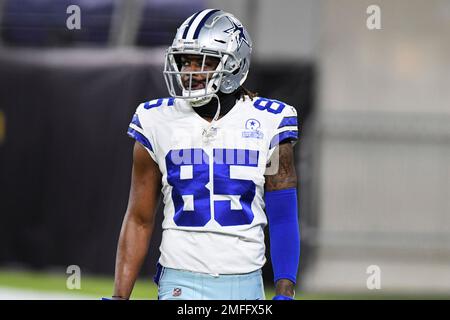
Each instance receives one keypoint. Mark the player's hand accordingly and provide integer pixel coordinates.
(284, 290)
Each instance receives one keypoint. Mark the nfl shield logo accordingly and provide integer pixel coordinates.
(176, 292)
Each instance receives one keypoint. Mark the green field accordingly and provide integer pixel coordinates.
(90, 285)
(145, 289)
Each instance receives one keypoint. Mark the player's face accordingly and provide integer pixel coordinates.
(193, 63)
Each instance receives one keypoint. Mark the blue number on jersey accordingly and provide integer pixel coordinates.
(195, 161)
(193, 185)
(224, 185)
(272, 106)
(158, 102)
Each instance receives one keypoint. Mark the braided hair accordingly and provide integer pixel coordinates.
(242, 92)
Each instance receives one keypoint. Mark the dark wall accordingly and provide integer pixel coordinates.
(65, 161)
(38, 23)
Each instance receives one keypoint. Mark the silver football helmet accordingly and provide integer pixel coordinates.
(208, 33)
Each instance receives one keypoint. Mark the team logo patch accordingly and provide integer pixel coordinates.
(252, 127)
(176, 292)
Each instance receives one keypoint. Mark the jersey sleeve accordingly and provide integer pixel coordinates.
(286, 128)
(139, 133)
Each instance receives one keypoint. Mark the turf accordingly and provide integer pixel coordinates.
(94, 286)
(90, 285)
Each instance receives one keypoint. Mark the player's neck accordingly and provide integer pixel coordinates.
(208, 111)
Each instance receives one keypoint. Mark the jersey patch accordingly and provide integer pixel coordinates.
(252, 129)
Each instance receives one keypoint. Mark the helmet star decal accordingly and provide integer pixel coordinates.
(241, 36)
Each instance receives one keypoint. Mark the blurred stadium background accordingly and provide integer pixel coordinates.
(373, 160)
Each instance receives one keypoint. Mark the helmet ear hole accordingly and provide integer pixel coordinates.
(242, 65)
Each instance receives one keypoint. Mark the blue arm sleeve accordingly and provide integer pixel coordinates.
(282, 213)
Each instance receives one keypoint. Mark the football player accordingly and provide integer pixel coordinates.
(222, 157)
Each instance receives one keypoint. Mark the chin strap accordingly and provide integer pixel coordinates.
(210, 131)
(218, 108)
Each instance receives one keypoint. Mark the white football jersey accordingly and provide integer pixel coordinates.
(213, 179)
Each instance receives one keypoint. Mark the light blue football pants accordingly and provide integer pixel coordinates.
(185, 285)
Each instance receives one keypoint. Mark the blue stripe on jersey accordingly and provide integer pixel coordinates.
(288, 121)
(140, 138)
(290, 134)
(186, 30)
(158, 102)
(202, 22)
(136, 121)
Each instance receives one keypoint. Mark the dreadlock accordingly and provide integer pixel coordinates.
(242, 92)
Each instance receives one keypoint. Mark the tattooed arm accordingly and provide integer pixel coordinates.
(284, 178)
